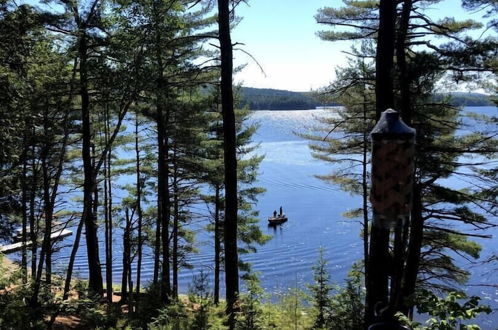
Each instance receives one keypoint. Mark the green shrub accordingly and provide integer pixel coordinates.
(446, 313)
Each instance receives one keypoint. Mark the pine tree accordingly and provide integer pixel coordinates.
(230, 161)
(248, 229)
(415, 75)
(320, 291)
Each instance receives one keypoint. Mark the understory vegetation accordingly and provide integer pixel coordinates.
(321, 304)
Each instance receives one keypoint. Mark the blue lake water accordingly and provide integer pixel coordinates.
(314, 209)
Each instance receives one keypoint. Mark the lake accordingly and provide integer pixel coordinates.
(314, 209)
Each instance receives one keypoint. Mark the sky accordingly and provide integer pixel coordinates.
(281, 36)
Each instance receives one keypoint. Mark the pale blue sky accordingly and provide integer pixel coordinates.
(281, 35)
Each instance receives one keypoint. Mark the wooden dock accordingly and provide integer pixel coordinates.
(60, 234)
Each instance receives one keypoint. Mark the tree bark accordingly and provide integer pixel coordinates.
(24, 238)
(33, 223)
(366, 231)
(72, 258)
(165, 214)
(126, 258)
(414, 248)
(384, 56)
(175, 225)
(230, 160)
(163, 199)
(217, 245)
(404, 79)
(95, 284)
(46, 247)
(108, 213)
(139, 213)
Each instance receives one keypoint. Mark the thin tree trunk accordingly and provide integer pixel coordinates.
(110, 215)
(130, 286)
(165, 281)
(365, 180)
(107, 213)
(404, 79)
(163, 164)
(49, 214)
(157, 242)
(414, 247)
(163, 203)
(32, 218)
(126, 258)
(366, 231)
(217, 245)
(49, 198)
(160, 141)
(106, 234)
(45, 253)
(45, 249)
(230, 160)
(139, 213)
(24, 258)
(72, 258)
(157, 248)
(175, 225)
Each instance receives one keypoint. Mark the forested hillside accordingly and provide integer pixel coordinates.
(277, 99)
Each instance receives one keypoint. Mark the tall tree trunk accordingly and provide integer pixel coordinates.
(126, 258)
(49, 214)
(160, 141)
(108, 212)
(33, 223)
(24, 257)
(377, 285)
(414, 247)
(109, 268)
(46, 247)
(157, 248)
(384, 56)
(404, 79)
(163, 168)
(163, 199)
(108, 287)
(175, 225)
(95, 284)
(157, 242)
(364, 177)
(165, 207)
(72, 258)
(230, 160)
(139, 213)
(366, 231)
(217, 245)
(378, 278)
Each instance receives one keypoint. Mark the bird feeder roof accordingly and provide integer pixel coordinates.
(390, 126)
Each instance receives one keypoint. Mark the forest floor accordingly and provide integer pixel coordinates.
(8, 265)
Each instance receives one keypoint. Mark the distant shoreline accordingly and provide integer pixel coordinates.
(276, 99)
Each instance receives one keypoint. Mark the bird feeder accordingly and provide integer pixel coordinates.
(393, 149)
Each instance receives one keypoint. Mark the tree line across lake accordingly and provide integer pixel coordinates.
(276, 99)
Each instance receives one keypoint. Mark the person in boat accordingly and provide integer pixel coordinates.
(275, 213)
(281, 212)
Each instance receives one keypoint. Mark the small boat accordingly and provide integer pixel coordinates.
(277, 220)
